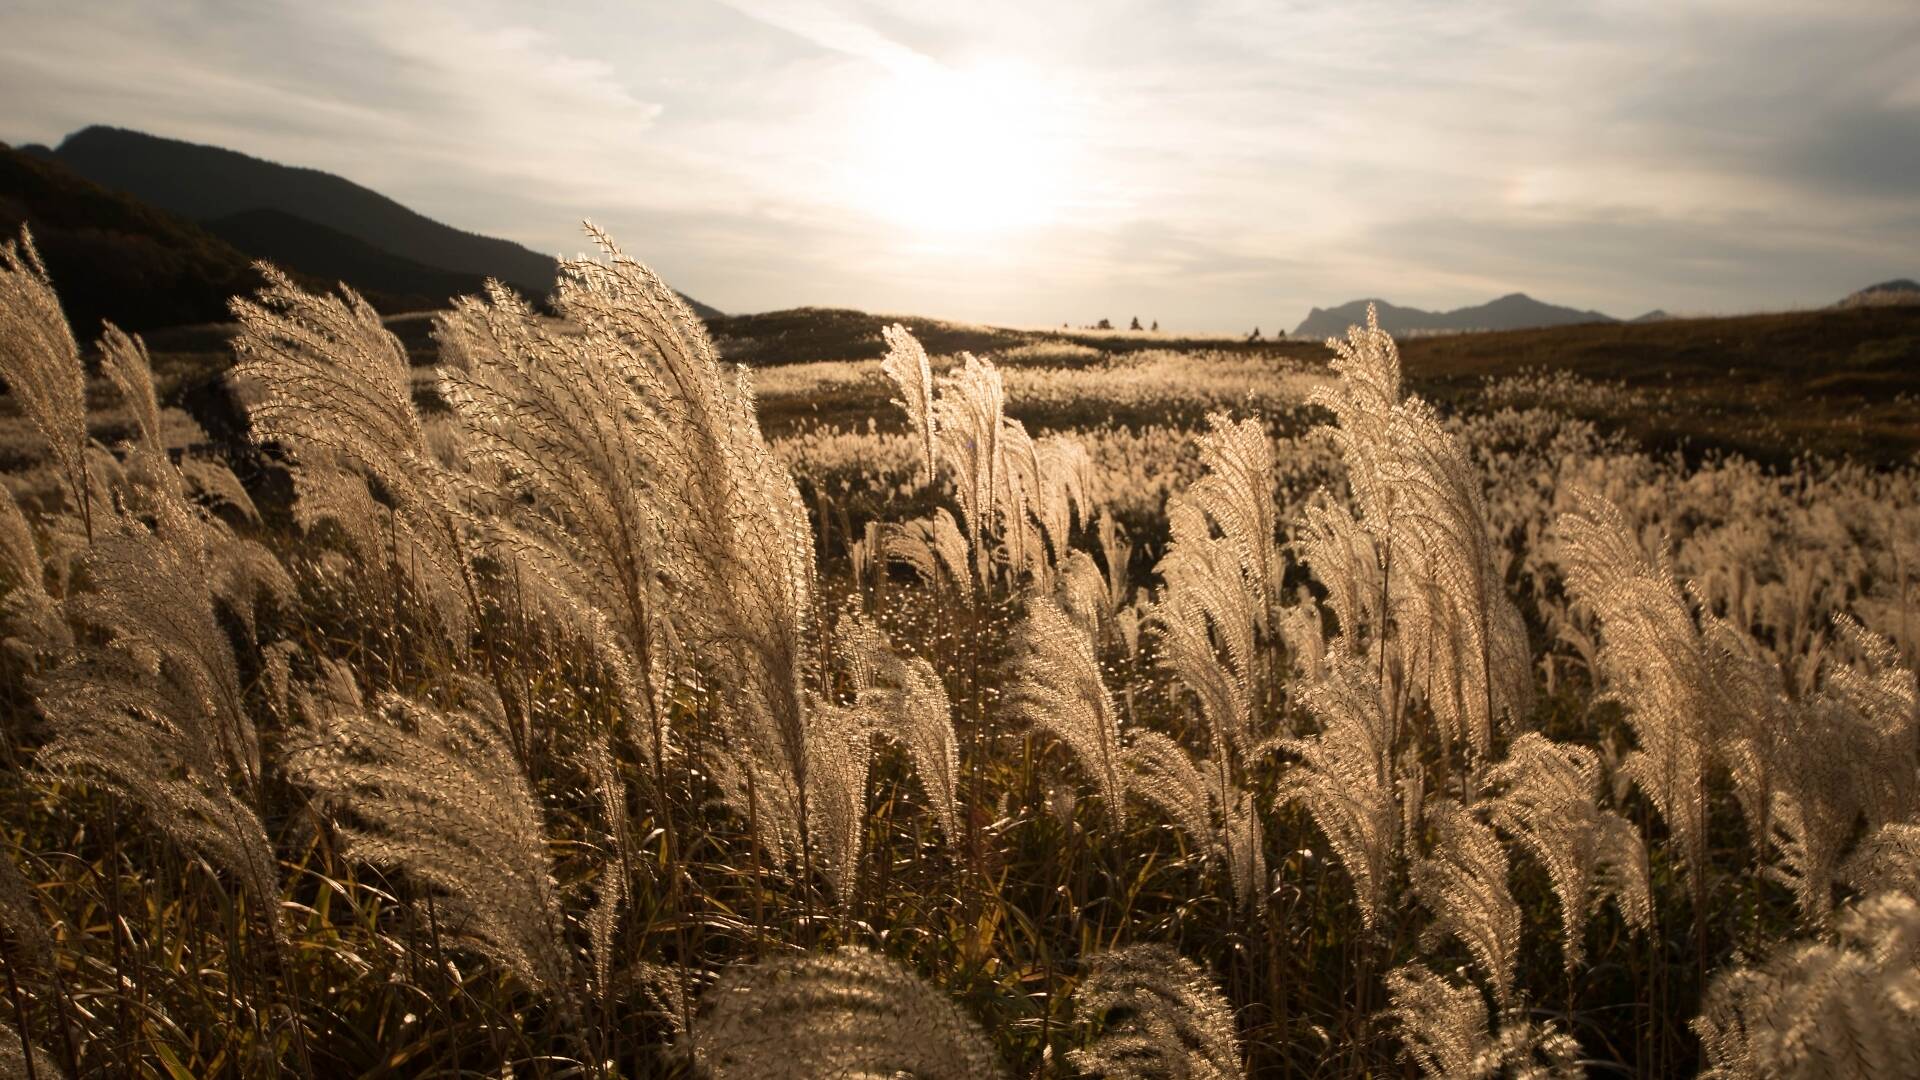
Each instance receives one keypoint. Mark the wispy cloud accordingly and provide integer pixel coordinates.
(1217, 163)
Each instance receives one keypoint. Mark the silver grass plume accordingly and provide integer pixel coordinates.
(1205, 622)
(907, 704)
(1344, 776)
(40, 363)
(736, 552)
(1548, 799)
(1810, 767)
(906, 364)
(1057, 687)
(1216, 814)
(1839, 1010)
(1888, 859)
(1082, 591)
(839, 752)
(1345, 560)
(437, 794)
(611, 885)
(1464, 885)
(1242, 841)
(1444, 1030)
(1118, 555)
(933, 547)
(1236, 492)
(650, 490)
(1162, 1018)
(1424, 515)
(1465, 642)
(1062, 488)
(338, 393)
(125, 363)
(1882, 696)
(1362, 402)
(1163, 774)
(566, 424)
(1653, 660)
(156, 709)
(30, 619)
(850, 1014)
(968, 424)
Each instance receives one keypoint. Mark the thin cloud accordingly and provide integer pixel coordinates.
(1215, 164)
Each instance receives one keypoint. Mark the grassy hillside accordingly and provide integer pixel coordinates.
(208, 182)
(1831, 380)
(114, 257)
(288, 240)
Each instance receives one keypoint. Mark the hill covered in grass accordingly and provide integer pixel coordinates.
(305, 219)
(115, 257)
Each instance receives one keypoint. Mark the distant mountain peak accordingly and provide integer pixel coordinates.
(1897, 291)
(1514, 311)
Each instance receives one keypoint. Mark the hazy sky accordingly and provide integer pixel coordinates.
(1209, 163)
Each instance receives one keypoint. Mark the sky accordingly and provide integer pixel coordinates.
(1209, 164)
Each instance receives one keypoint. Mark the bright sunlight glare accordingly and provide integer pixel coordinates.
(943, 152)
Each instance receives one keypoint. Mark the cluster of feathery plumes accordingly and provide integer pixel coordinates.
(1019, 498)
(1149, 1011)
(138, 680)
(604, 478)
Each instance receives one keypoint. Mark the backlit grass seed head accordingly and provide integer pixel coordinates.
(40, 362)
(1343, 776)
(850, 1013)
(1844, 1009)
(1160, 1017)
(437, 795)
(1653, 660)
(1058, 688)
(1444, 1030)
(1464, 885)
(1548, 799)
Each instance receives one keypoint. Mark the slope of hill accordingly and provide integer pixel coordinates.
(1769, 386)
(1897, 291)
(208, 182)
(115, 257)
(211, 184)
(1515, 311)
(287, 240)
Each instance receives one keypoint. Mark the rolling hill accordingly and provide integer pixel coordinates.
(115, 257)
(306, 219)
(287, 240)
(205, 183)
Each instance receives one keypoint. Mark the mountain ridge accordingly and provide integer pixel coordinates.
(203, 183)
(1514, 311)
(305, 219)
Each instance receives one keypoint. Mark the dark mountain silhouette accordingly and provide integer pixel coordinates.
(1656, 315)
(286, 240)
(307, 221)
(208, 182)
(1897, 291)
(114, 257)
(1515, 311)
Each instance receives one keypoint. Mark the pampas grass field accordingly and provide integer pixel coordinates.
(585, 703)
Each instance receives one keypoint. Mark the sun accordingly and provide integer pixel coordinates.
(946, 151)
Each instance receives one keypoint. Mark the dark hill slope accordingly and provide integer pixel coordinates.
(208, 182)
(114, 257)
(286, 240)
